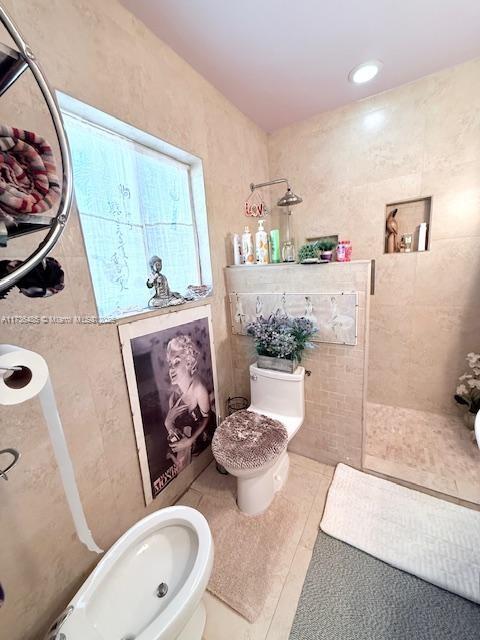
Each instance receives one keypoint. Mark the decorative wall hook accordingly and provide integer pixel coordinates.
(258, 307)
(239, 313)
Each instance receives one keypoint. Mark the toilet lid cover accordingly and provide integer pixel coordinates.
(247, 440)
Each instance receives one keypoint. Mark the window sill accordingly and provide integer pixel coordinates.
(148, 313)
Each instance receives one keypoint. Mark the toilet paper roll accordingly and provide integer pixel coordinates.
(24, 375)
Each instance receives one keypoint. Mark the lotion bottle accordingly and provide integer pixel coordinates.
(237, 250)
(261, 244)
(247, 247)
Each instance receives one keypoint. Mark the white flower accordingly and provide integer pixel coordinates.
(473, 359)
(475, 384)
(466, 376)
(462, 390)
(476, 371)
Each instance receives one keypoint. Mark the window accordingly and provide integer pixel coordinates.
(137, 197)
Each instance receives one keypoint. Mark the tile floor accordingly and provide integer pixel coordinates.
(426, 449)
(307, 486)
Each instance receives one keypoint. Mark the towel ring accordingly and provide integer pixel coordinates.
(19, 62)
(15, 457)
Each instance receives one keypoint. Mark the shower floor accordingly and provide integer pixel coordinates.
(433, 451)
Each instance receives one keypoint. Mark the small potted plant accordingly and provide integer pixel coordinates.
(326, 248)
(308, 253)
(468, 391)
(280, 340)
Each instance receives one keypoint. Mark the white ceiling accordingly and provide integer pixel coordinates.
(281, 61)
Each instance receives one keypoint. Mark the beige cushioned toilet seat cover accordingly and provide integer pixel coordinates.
(246, 440)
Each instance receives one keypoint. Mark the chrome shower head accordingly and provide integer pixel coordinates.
(289, 199)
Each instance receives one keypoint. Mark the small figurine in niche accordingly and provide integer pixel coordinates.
(392, 231)
(407, 242)
(163, 297)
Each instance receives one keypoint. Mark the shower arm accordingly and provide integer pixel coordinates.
(268, 184)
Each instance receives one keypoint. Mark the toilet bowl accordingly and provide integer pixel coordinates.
(148, 586)
(280, 396)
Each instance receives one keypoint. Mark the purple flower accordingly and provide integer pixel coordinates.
(282, 336)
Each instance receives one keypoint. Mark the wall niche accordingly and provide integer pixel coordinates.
(407, 225)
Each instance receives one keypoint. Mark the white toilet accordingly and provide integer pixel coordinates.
(148, 586)
(280, 396)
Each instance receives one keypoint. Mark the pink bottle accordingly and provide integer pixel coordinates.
(341, 251)
(348, 250)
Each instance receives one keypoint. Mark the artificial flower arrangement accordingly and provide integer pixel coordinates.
(308, 252)
(468, 391)
(282, 336)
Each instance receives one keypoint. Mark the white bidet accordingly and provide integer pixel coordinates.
(148, 586)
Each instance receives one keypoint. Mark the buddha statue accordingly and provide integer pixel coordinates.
(163, 297)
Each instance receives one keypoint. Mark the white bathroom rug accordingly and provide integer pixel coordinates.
(250, 551)
(425, 536)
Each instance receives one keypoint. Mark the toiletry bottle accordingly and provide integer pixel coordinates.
(422, 236)
(348, 250)
(261, 244)
(340, 251)
(237, 249)
(247, 247)
(275, 246)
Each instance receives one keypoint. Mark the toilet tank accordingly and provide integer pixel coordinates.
(276, 392)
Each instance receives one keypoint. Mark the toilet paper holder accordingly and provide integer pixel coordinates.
(15, 458)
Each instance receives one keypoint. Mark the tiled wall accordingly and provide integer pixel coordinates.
(97, 52)
(335, 390)
(422, 139)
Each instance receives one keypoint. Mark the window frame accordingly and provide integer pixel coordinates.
(151, 144)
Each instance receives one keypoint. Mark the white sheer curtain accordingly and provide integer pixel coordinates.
(133, 203)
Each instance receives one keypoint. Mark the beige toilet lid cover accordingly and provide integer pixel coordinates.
(247, 440)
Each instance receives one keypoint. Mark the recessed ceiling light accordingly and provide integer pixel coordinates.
(365, 72)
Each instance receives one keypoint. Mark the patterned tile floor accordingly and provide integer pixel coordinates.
(433, 451)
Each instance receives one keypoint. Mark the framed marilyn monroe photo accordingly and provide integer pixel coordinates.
(171, 376)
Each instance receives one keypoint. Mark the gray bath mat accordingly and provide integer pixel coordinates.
(349, 595)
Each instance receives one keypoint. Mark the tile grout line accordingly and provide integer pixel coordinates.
(328, 484)
(295, 552)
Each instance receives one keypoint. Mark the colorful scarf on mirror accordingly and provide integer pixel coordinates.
(28, 174)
